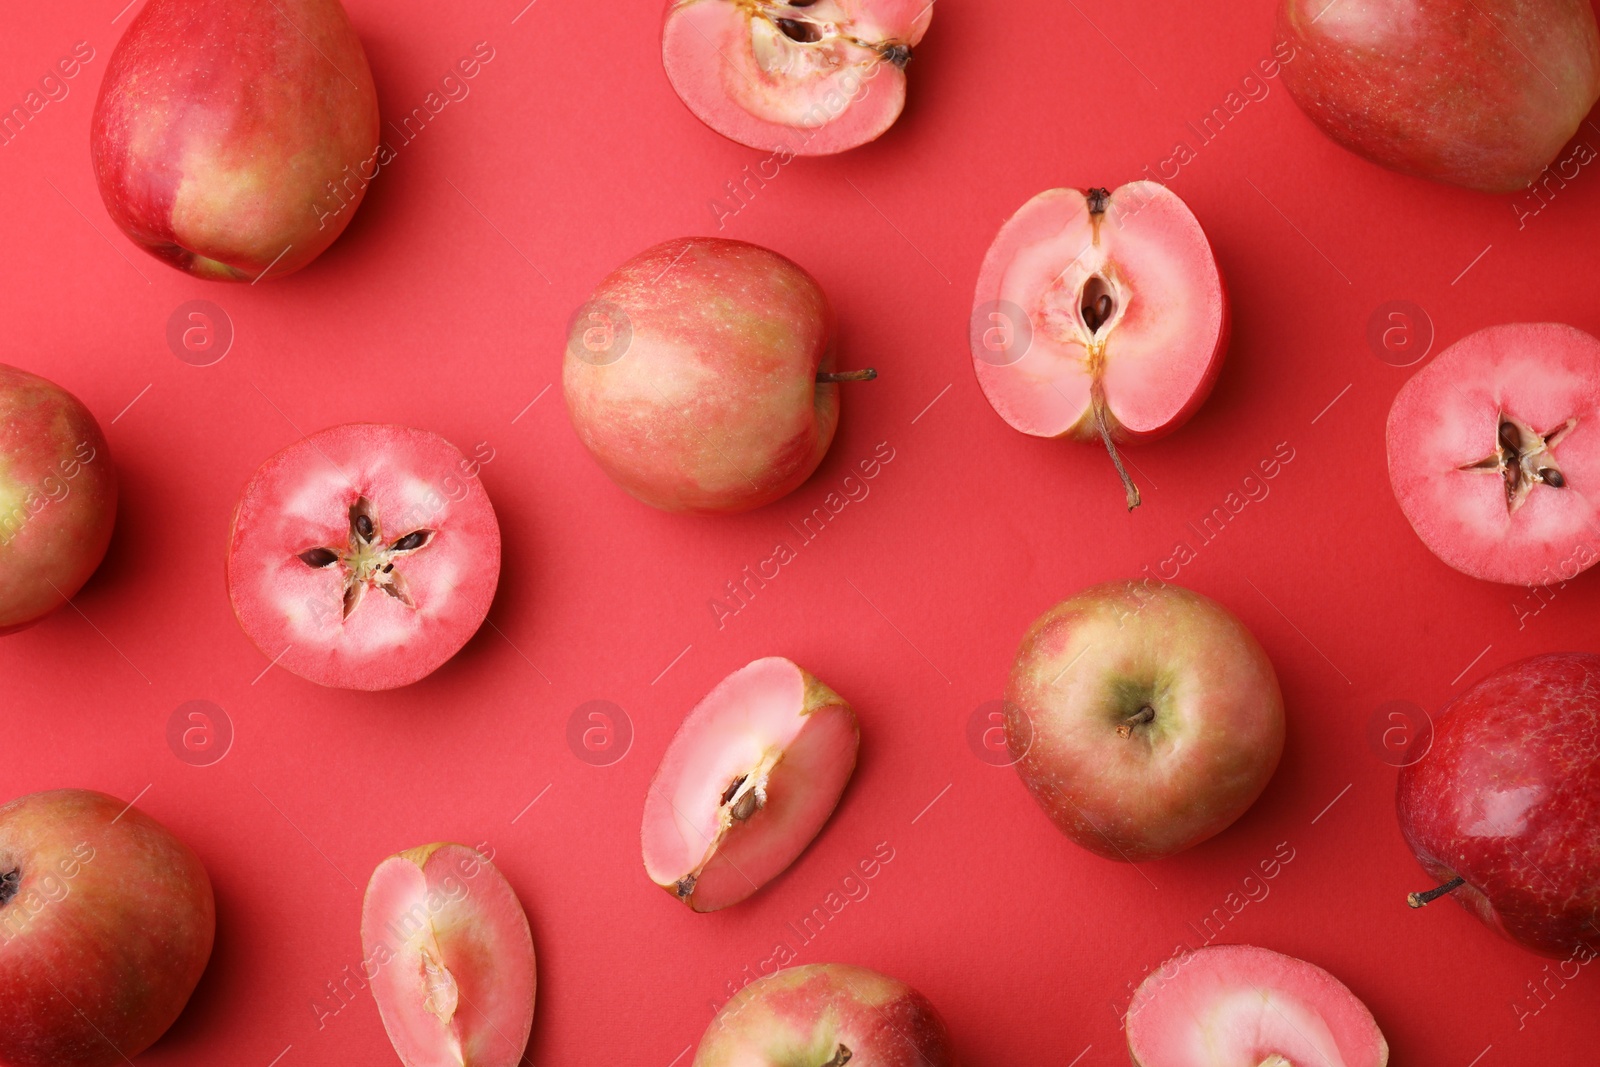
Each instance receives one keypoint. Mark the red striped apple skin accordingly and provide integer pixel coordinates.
(106, 928)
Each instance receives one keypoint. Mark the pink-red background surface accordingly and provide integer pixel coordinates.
(444, 306)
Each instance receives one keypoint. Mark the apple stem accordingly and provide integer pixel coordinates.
(1417, 900)
(840, 1057)
(831, 377)
(1111, 446)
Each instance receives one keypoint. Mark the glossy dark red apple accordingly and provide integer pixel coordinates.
(364, 556)
(1504, 810)
(235, 140)
(1143, 718)
(1100, 316)
(1494, 453)
(807, 77)
(700, 375)
(58, 497)
(1480, 93)
(106, 924)
(1242, 1006)
(826, 1015)
(749, 779)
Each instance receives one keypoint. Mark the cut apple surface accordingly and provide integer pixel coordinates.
(1241, 1006)
(1100, 315)
(810, 77)
(1494, 453)
(749, 779)
(364, 556)
(449, 941)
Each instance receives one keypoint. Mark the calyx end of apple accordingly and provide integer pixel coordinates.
(10, 883)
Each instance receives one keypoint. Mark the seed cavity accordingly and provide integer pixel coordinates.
(1552, 477)
(412, 541)
(363, 522)
(1098, 304)
(733, 787)
(798, 30)
(317, 558)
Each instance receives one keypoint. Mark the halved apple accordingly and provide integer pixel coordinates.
(1100, 315)
(748, 781)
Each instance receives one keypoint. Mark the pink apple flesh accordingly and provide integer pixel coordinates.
(58, 497)
(234, 140)
(456, 979)
(1241, 1006)
(699, 376)
(749, 779)
(826, 1015)
(1504, 809)
(1144, 720)
(1479, 93)
(106, 925)
(1124, 318)
(807, 79)
(1494, 453)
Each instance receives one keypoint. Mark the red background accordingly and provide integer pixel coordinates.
(911, 603)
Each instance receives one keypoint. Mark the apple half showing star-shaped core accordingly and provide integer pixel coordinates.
(1494, 453)
(364, 556)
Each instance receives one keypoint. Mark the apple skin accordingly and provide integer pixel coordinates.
(1096, 664)
(1508, 798)
(58, 497)
(1479, 93)
(223, 128)
(711, 403)
(107, 929)
(804, 1015)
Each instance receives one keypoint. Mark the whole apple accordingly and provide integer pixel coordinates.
(1504, 810)
(234, 140)
(58, 497)
(1144, 718)
(1480, 93)
(106, 924)
(700, 375)
(826, 1015)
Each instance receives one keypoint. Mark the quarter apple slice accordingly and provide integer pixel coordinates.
(1242, 1006)
(1494, 453)
(364, 556)
(809, 77)
(749, 779)
(450, 943)
(1100, 315)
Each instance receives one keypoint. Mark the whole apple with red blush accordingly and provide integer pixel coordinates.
(1504, 810)
(1478, 93)
(58, 497)
(1144, 718)
(700, 375)
(1100, 316)
(234, 140)
(826, 1015)
(106, 925)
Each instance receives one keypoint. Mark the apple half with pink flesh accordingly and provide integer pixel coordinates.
(700, 375)
(1144, 718)
(106, 925)
(1100, 316)
(1504, 809)
(826, 1015)
(1479, 93)
(748, 781)
(1494, 453)
(1242, 1006)
(454, 957)
(808, 77)
(58, 497)
(235, 140)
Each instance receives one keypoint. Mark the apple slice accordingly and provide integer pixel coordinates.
(1100, 315)
(454, 958)
(1242, 1006)
(1494, 453)
(748, 780)
(810, 77)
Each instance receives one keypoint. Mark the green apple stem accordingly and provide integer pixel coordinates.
(1417, 900)
(832, 377)
(840, 1058)
(1099, 405)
